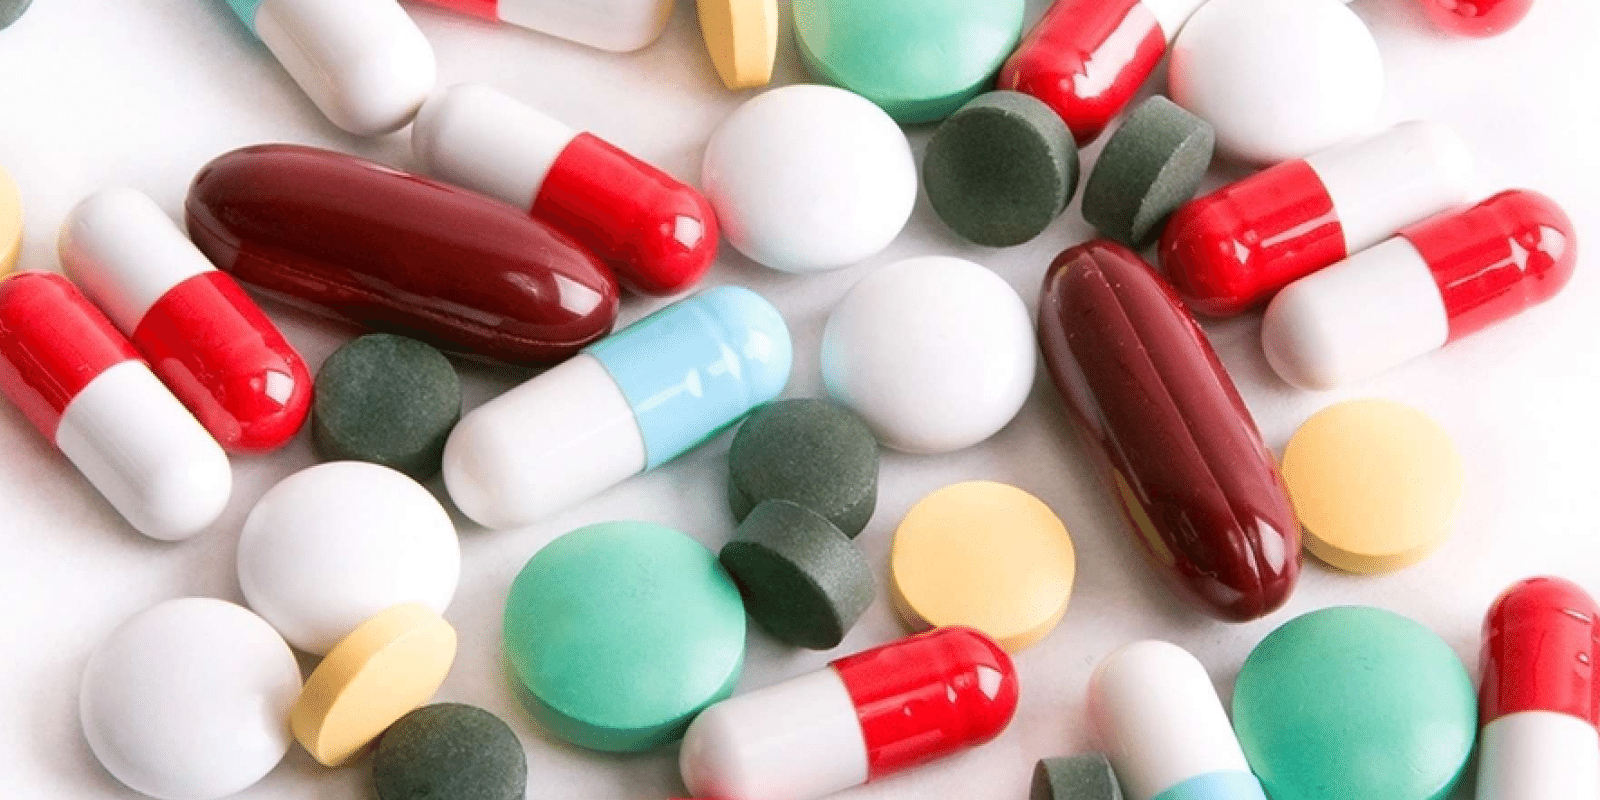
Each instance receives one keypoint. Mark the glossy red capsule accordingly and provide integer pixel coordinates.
(1476, 18)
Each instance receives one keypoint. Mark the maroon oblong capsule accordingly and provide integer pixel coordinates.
(1177, 444)
(395, 252)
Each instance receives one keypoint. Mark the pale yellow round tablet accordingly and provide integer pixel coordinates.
(1375, 484)
(742, 37)
(389, 665)
(10, 223)
(987, 556)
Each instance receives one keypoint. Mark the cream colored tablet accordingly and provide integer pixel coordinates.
(742, 37)
(10, 223)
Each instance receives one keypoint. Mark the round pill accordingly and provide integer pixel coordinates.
(1081, 777)
(803, 580)
(1001, 169)
(450, 750)
(936, 354)
(621, 632)
(11, 11)
(1149, 168)
(1278, 80)
(742, 38)
(332, 545)
(987, 556)
(813, 452)
(388, 400)
(1375, 484)
(1355, 703)
(10, 216)
(189, 700)
(387, 666)
(809, 178)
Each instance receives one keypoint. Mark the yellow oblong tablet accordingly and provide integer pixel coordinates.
(389, 665)
(742, 38)
(1375, 484)
(10, 223)
(987, 556)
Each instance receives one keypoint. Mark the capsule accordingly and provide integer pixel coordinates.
(79, 381)
(629, 403)
(1540, 702)
(1438, 281)
(620, 26)
(1479, 18)
(1164, 729)
(658, 235)
(862, 718)
(1087, 59)
(1234, 248)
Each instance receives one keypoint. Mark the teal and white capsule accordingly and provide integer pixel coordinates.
(628, 403)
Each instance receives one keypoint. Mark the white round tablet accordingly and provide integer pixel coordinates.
(810, 178)
(190, 700)
(1278, 79)
(333, 545)
(936, 354)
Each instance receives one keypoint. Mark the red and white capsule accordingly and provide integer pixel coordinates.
(1540, 701)
(205, 338)
(862, 718)
(79, 381)
(1439, 280)
(655, 232)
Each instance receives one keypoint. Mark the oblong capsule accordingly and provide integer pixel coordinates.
(399, 253)
(79, 381)
(1177, 444)
(620, 26)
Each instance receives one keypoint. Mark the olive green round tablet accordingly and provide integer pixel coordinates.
(1355, 703)
(621, 632)
(388, 400)
(449, 750)
(1149, 168)
(803, 580)
(816, 453)
(11, 11)
(1087, 776)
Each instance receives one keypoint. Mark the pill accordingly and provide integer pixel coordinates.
(742, 38)
(332, 545)
(987, 556)
(200, 333)
(1082, 777)
(809, 178)
(815, 453)
(861, 718)
(803, 581)
(79, 381)
(398, 253)
(383, 669)
(1440, 280)
(621, 632)
(1087, 59)
(1175, 442)
(1479, 18)
(10, 221)
(890, 354)
(620, 26)
(1001, 169)
(1164, 728)
(12, 10)
(1277, 80)
(1237, 246)
(189, 700)
(1352, 703)
(1149, 168)
(364, 63)
(1375, 484)
(450, 750)
(1540, 698)
(885, 50)
(658, 235)
(631, 402)
(388, 400)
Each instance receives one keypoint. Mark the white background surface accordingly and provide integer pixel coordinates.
(142, 93)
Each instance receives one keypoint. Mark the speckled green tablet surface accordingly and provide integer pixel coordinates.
(1087, 776)
(449, 750)
(1355, 703)
(813, 452)
(1150, 167)
(621, 632)
(11, 11)
(803, 580)
(388, 400)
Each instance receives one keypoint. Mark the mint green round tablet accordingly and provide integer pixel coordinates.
(1355, 703)
(621, 632)
(919, 60)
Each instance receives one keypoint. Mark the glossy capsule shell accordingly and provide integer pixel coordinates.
(620, 26)
(656, 233)
(1177, 444)
(200, 333)
(1540, 700)
(79, 381)
(401, 254)
(864, 717)
(1477, 19)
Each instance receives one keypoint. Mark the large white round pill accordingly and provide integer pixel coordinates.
(1278, 79)
(331, 546)
(936, 354)
(810, 178)
(190, 700)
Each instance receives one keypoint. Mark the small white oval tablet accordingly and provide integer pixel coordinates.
(190, 700)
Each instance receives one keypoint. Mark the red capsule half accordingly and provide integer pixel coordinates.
(1476, 18)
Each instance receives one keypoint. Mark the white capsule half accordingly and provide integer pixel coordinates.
(1538, 755)
(1387, 181)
